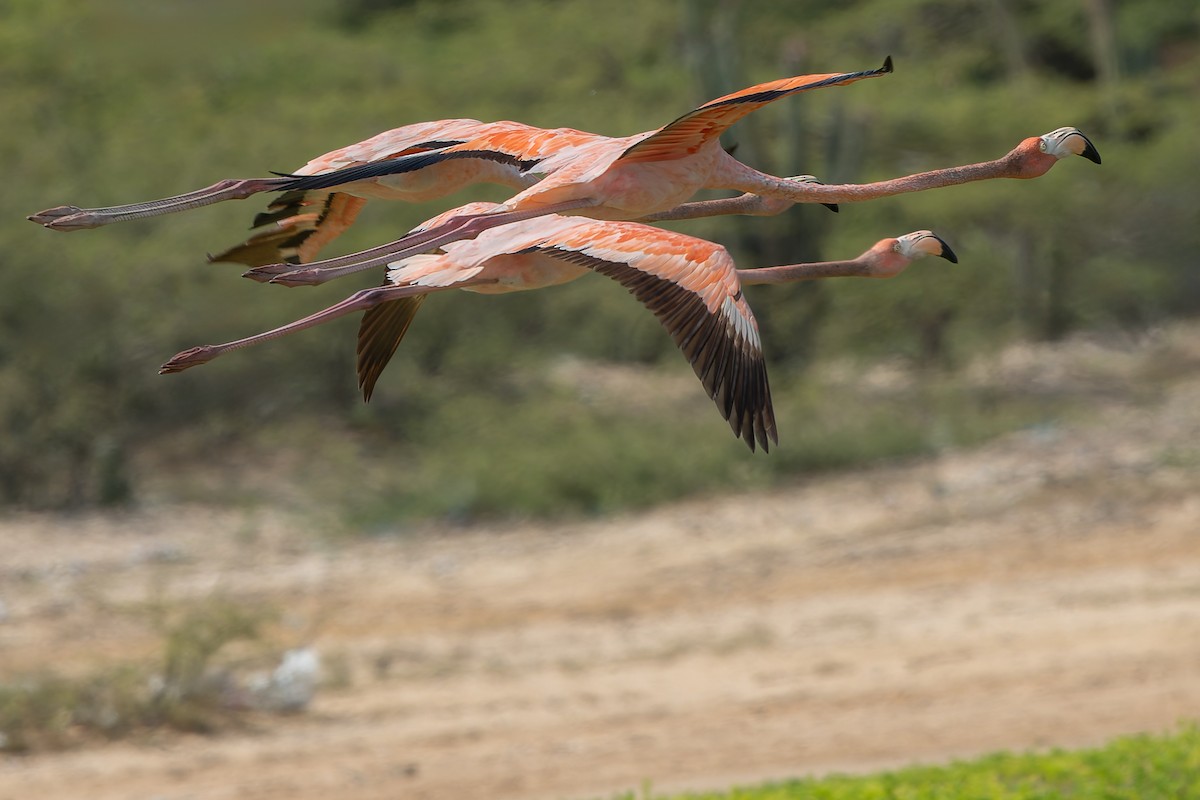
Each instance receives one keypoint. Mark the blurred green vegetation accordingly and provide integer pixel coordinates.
(192, 688)
(135, 99)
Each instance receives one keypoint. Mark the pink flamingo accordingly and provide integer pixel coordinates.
(691, 285)
(303, 220)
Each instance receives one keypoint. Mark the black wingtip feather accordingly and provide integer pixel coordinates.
(734, 378)
(887, 65)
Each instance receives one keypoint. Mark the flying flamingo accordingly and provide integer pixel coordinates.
(426, 161)
(691, 285)
(302, 221)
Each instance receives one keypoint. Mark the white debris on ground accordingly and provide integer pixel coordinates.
(291, 686)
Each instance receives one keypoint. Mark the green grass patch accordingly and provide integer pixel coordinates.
(1144, 767)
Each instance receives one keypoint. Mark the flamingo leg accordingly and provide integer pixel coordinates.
(359, 301)
(452, 230)
(749, 204)
(73, 218)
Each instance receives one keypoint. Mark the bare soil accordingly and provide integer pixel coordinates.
(1042, 590)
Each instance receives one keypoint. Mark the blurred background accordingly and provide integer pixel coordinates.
(977, 531)
(577, 387)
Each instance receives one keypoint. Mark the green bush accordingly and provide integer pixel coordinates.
(187, 691)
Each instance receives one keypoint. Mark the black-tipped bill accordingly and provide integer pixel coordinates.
(946, 253)
(1089, 150)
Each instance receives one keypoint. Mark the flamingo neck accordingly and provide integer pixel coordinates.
(1010, 166)
(793, 273)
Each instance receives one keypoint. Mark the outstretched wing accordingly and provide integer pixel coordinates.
(407, 164)
(518, 147)
(694, 129)
(691, 286)
(384, 326)
(308, 215)
(294, 228)
(379, 334)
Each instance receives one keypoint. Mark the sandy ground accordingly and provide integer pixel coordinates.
(1043, 590)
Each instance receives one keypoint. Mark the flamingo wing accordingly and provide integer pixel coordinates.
(384, 326)
(379, 334)
(693, 130)
(405, 164)
(691, 286)
(307, 216)
(512, 144)
(406, 139)
(294, 228)
(303, 220)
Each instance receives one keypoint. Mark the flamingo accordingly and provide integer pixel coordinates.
(303, 220)
(426, 161)
(691, 285)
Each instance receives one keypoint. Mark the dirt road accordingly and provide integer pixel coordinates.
(1041, 590)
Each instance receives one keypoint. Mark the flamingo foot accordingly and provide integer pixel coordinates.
(73, 218)
(192, 357)
(301, 277)
(267, 272)
(68, 218)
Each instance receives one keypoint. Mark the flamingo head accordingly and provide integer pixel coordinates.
(919, 244)
(1068, 142)
(1037, 154)
(890, 257)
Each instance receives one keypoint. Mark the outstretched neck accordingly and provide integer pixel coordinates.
(1007, 167)
(791, 273)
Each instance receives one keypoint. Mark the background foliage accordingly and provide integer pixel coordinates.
(490, 406)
